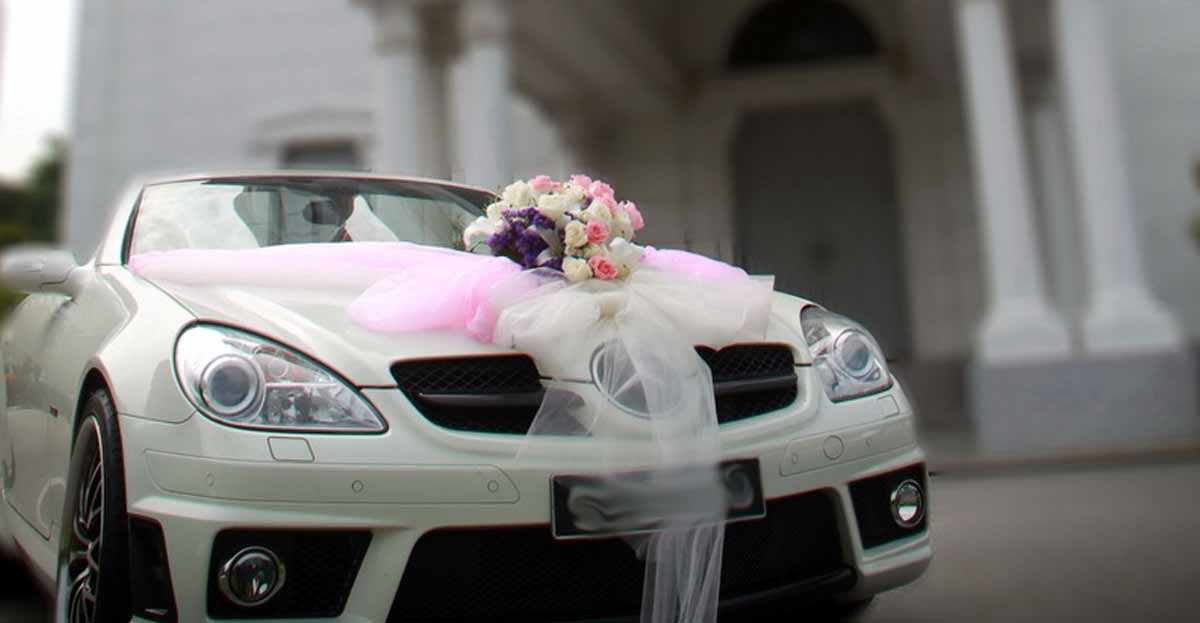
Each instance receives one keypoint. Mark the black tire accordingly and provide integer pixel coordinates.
(93, 568)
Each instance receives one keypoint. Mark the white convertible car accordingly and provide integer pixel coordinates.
(214, 451)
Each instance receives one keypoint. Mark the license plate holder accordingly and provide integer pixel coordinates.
(742, 481)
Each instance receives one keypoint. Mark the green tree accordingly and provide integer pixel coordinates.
(44, 188)
(29, 211)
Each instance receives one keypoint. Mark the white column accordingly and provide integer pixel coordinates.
(1053, 173)
(410, 91)
(1121, 315)
(1019, 324)
(484, 136)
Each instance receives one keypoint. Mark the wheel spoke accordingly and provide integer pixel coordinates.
(93, 483)
(76, 597)
(81, 531)
(93, 556)
(77, 555)
(93, 515)
(87, 527)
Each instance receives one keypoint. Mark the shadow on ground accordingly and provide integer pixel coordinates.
(21, 601)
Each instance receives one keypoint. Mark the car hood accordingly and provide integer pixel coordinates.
(315, 322)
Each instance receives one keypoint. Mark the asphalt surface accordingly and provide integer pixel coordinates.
(1051, 544)
(1080, 544)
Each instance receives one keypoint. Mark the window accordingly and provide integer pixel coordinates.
(795, 31)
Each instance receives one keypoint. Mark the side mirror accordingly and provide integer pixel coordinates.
(39, 269)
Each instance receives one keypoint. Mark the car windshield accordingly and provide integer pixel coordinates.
(252, 212)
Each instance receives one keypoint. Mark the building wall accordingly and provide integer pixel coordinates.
(165, 86)
(226, 84)
(1156, 54)
(938, 216)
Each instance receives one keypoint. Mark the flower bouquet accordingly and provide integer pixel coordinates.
(575, 227)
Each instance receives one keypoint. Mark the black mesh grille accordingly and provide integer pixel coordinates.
(517, 375)
(320, 570)
(747, 361)
(491, 375)
(523, 573)
(744, 362)
(736, 407)
(468, 375)
(872, 506)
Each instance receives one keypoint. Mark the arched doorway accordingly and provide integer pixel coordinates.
(815, 192)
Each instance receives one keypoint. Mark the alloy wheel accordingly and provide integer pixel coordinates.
(87, 532)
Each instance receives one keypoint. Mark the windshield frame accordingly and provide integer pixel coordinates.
(466, 195)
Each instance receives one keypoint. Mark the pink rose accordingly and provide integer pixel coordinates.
(600, 190)
(635, 217)
(582, 181)
(597, 231)
(543, 184)
(603, 268)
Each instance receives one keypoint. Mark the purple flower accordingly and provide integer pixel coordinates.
(520, 236)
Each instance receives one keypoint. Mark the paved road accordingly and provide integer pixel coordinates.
(1113, 544)
(1100, 544)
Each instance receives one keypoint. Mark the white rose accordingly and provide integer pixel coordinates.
(598, 210)
(592, 250)
(575, 234)
(554, 205)
(626, 254)
(574, 193)
(495, 211)
(576, 269)
(621, 226)
(478, 232)
(519, 195)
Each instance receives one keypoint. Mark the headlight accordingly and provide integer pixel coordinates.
(847, 358)
(244, 380)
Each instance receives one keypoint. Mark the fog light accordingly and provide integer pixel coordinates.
(908, 504)
(251, 577)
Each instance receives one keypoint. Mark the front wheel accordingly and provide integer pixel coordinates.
(93, 569)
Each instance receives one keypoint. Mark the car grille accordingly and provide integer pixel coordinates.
(502, 393)
(751, 379)
(489, 394)
(523, 573)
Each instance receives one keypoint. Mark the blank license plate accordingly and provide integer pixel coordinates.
(635, 502)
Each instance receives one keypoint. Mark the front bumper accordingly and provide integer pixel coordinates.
(197, 479)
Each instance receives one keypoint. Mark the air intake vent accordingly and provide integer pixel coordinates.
(321, 566)
(489, 394)
(524, 574)
(873, 512)
(151, 595)
(751, 379)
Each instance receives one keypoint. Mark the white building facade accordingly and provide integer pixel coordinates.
(998, 189)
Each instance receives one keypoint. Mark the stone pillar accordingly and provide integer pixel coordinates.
(1053, 173)
(1121, 315)
(1019, 325)
(410, 92)
(484, 136)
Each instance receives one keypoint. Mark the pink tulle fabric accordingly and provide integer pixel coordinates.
(408, 287)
